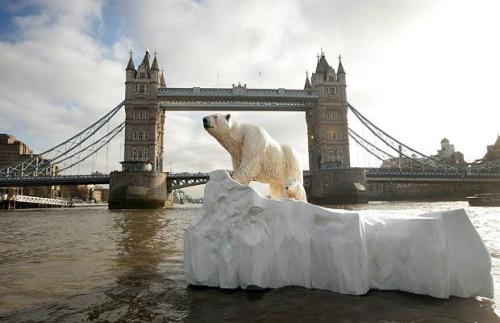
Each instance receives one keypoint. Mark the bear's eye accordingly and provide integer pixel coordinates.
(215, 117)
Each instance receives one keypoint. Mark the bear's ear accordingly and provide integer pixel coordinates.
(228, 116)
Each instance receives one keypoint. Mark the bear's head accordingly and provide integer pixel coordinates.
(217, 123)
(291, 185)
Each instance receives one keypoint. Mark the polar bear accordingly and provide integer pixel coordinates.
(295, 190)
(255, 154)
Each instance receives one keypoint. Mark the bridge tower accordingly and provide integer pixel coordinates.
(144, 118)
(332, 178)
(141, 183)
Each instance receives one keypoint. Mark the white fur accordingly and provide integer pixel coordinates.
(295, 190)
(255, 154)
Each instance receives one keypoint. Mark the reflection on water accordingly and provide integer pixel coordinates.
(100, 265)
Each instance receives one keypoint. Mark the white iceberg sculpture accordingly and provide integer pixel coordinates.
(243, 239)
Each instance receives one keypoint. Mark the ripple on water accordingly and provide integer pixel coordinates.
(95, 264)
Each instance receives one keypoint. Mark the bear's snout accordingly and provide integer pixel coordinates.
(205, 122)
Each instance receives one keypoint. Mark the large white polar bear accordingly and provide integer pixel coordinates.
(255, 154)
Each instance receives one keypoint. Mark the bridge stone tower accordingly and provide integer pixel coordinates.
(332, 180)
(144, 118)
(141, 183)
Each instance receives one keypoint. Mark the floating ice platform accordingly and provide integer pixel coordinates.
(243, 239)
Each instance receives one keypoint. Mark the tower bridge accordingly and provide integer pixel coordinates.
(323, 100)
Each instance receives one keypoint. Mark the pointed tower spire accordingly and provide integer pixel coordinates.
(162, 79)
(307, 86)
(323, 65)
(145, 60)
(340, 69)
(130, 65)
(154, 66)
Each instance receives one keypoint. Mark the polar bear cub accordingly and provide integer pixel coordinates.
(295, 190)
(255, 155)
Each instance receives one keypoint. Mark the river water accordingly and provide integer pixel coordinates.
(98, 265)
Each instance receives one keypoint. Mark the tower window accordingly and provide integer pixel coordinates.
(333, 91)
(140, 134)
(332, 115)
(332, 134)
(142, 75)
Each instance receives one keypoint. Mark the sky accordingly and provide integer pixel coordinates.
(421, 70)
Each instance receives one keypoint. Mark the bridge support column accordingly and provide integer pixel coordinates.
(170, 199)
(338, 186)
(137, 190)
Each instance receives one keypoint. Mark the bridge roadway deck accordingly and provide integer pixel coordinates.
(382, 176)
(179, 180)
(236, 99)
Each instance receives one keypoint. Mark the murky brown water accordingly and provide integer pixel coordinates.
(99, 265)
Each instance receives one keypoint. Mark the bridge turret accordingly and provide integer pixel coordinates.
(145, 61)
(162, 80)
(130, 70)
(155, 71)
(307, 85)
(340, 72)
(332, 177)
(341, 80)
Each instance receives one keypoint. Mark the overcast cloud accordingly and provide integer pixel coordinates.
(422, 70)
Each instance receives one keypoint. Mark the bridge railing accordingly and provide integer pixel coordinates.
(430, 173)
(237, 92)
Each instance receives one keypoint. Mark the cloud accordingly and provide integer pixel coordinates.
(56, 77)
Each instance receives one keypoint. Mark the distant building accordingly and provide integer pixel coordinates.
(403, 163)
(100, 194)
(492, 153)
(12, 150)
(448, 155)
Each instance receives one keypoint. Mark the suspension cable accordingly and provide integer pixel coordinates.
(34, 165)
(367, 123)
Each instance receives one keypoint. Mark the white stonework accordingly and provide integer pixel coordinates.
(243, 239)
